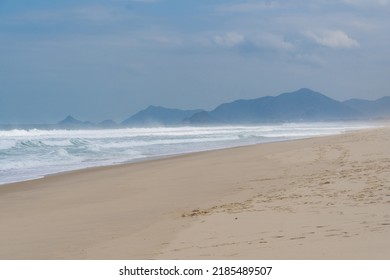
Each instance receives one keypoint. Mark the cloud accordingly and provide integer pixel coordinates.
(229, 39)
(253, 41)
(336, 39)
(273, 41)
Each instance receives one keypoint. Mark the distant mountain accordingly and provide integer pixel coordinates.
(157, 116)
(379, 108)
(300, 105)
(71, 122)
(107, 124)
(202, 118)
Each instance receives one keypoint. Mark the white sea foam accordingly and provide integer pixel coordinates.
(29, 154)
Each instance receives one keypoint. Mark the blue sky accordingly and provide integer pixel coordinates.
(110, 58)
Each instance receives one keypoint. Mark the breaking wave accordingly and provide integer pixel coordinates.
(29, 154)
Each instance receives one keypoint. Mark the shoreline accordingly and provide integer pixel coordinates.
(207, 205)
(375, 125)
(162, 157)
(36, 173)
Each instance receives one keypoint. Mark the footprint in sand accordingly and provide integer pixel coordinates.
(296, 238)
(331, 235)
(278, 236)
(321, 226)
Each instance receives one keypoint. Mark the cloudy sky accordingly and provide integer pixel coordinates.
(110, 58)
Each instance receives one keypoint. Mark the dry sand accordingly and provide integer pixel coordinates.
(320, 198)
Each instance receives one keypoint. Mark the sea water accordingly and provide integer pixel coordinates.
(33, 153)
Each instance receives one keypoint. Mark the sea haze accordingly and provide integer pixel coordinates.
(31, 154)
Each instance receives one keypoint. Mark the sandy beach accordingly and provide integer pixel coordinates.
(319, 198)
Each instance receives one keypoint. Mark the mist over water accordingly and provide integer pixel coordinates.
(30, 154)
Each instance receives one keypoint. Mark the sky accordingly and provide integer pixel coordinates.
(108, 59)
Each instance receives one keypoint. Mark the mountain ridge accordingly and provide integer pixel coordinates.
(297, 106)
(158, 115)
(301, 105)
(379, 108)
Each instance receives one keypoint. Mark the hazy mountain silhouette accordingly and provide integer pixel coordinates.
(202, 118)
(300, 105)
(107, 124)
(379, 108)
(156, 115)
(71, 122)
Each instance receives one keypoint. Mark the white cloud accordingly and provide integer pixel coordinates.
(336, 39)
(273, 41)
(254, 41)
(229, 39)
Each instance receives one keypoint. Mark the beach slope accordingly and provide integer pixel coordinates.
(319, 198)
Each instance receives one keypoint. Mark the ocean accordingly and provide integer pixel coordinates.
(33, 153)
